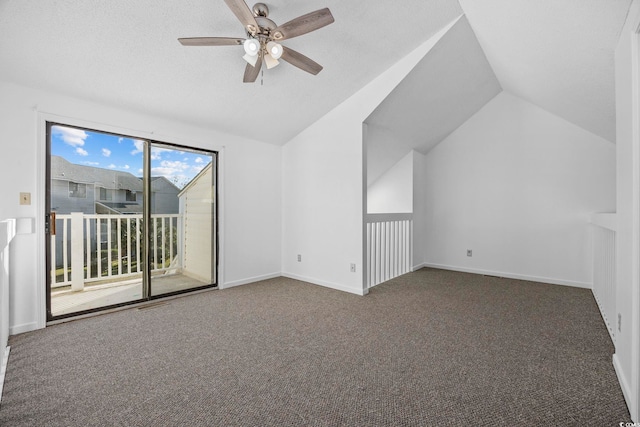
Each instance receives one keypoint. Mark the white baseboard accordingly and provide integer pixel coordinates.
(3, 368)
(418, 267)
(249, 280)
(549, 280)
(626, 389)
(25, 327)
(357, 291)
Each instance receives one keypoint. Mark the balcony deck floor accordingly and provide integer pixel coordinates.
(64, 301)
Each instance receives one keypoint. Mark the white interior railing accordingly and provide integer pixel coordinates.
(7, 232)
(604, 267)
(389, 246)
(110, 247)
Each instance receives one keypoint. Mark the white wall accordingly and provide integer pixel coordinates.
(324, 186)
(517, 185)
(419, 209)
(626, 359)
(393, 191)
(250, 181)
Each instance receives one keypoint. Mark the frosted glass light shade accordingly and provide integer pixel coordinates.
(270, 61)
(251, 47)
(251, 59)
(274, 49)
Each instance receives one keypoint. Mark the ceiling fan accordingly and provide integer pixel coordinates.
(263, 37)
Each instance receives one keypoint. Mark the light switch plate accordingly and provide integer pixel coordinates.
(25, 198)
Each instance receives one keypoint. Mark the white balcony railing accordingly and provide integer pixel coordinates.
(389, 246)
(90, 248)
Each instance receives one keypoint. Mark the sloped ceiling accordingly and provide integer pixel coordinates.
(556, 54)
(448, 86)
(125, 53)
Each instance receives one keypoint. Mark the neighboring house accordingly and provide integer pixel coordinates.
(197, 208)
(92, 190)
(164, 196)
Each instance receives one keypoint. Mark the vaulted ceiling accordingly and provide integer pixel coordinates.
(125, 53)
(555, 54)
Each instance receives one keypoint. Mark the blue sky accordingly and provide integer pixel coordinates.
(106, 151)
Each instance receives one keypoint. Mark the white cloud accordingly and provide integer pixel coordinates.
(168, 168)
(197, 169)
(82, 151)
(90, 163)
(138, 145)
(106, 152)
(199, 160)
(125, 167)
(71, 136)
(156, 152)
(120, 140)
(112, 166)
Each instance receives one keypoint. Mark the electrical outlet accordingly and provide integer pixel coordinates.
(619, 322)
(469, 252)
(299, 258)
(353, 268)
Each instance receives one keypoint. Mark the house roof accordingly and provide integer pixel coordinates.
(107, 178)
(555, 54)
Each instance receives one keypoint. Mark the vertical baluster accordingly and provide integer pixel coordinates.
(65, 250)
(129, 257)
(99, 246)
(368, 255)
(164, 241)
(387, 249)
(403, 243)
(138, 241)
(171, 240)
(109, 247)
(119, 230)
(154, 265)
(88, 246)
(410, 245)
(53, 259)
(378, 252)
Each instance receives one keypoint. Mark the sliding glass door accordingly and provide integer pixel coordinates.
(127, 220)
(182, 222)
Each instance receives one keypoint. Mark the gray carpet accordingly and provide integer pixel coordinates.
(431, 348)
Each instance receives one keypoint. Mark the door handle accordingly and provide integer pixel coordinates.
(52, 223)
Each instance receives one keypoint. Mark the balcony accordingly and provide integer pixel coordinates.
(98, 260)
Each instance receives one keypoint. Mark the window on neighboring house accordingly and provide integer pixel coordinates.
(77, 190)
(105, 194)
(131, 196)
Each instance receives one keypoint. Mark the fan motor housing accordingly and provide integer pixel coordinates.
(260, 9)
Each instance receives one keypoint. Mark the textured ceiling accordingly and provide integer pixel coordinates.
(125, 53)
(557, 54)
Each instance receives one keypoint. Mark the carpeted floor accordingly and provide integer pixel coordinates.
(431, 348)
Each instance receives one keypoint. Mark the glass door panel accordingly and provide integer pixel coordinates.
(94, 205)
(183, 219)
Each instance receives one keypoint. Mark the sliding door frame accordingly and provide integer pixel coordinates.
(42, 297)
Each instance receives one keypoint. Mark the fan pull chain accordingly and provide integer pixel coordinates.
(262, 77)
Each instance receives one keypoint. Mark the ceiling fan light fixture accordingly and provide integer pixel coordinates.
(251, 59)
(274, 49)
(251, 47)
(270, 61)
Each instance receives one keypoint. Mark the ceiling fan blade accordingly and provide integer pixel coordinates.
(244, 14)
(210, 41)
(251, 72)
(299, 60)
(303, 24)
